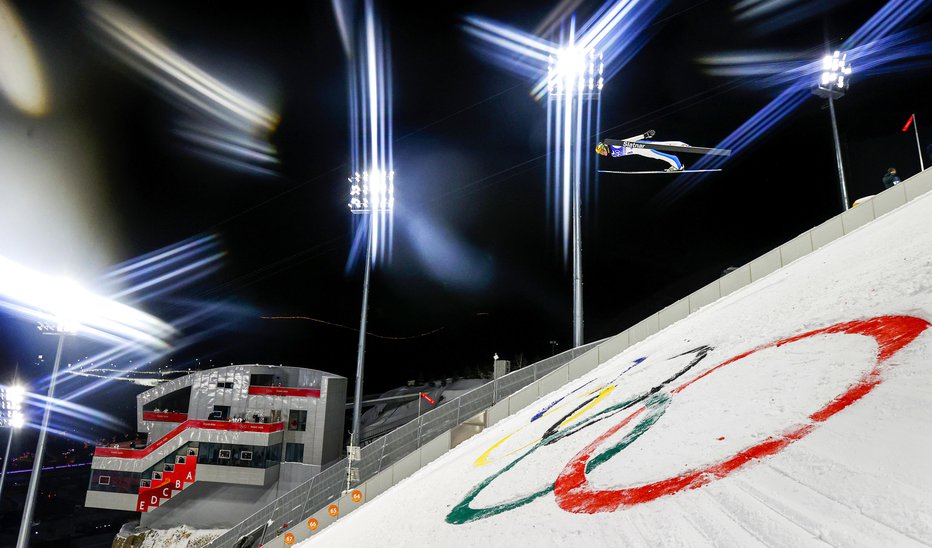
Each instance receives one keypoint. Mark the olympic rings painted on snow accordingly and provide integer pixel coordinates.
(572, 490)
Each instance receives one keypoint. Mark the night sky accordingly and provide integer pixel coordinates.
(470, 149)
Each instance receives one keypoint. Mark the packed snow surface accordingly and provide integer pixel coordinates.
(794, 412)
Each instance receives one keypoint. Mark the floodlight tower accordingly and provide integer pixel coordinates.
(833, 83)
(61, 328)
(372, 193)
(372, 185)
(11, 416)
(574, 76)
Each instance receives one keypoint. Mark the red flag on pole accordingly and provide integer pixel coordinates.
(909, 122)
(428, 398)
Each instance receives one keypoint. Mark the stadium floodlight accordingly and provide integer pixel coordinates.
(836, 73)
(11, 404)
(575, 69)
(60, 305)
(372, 191)
(11, 416)
(832, 84)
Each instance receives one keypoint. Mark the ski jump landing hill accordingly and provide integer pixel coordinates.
(793, 412)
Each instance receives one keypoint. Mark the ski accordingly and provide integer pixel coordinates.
(658, 172)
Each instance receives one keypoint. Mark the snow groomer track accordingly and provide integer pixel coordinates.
(796, 411)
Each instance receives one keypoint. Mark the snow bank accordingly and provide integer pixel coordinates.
(176, 537)
(793, 412)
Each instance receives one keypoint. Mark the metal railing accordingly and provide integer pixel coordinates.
(328, 485)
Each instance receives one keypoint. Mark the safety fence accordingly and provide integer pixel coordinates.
(327, 486)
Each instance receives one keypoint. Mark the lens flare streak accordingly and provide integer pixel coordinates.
(181, 264)
(44, 298)
(227, 126)
(372, 183)
(21, 76)
(174, 72)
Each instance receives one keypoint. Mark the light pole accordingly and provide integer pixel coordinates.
(574, 76)
(11, 416)
(372, 188)
(61, 307)
(834, 81)
(913, 122)
(60, 329)
(372, 193)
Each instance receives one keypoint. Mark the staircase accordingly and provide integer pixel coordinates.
(167, 478)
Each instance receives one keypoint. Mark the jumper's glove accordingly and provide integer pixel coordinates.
(650, 133)
(601, 149)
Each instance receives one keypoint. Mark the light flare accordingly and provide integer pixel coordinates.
(65, 305)
(372, 184)
(228, 127)
(21, 77)
(147, 51)
(167, 269)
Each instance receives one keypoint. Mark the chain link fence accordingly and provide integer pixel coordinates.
(328, 485)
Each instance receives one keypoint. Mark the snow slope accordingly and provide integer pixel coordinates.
(794, 412)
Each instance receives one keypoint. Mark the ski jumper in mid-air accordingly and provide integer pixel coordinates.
(617, 151)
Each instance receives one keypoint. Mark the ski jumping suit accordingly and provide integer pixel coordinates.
(617, 151)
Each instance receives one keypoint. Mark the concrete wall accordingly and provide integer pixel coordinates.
(237, 474)
(792, 250)
(334, 405)
(111, 501)
(468, 429)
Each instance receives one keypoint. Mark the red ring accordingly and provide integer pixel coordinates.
(572, 489)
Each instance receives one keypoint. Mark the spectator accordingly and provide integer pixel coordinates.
(890, 178)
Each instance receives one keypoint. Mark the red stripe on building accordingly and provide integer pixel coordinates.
(282, 391)
(186, 425)
(164, 417)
